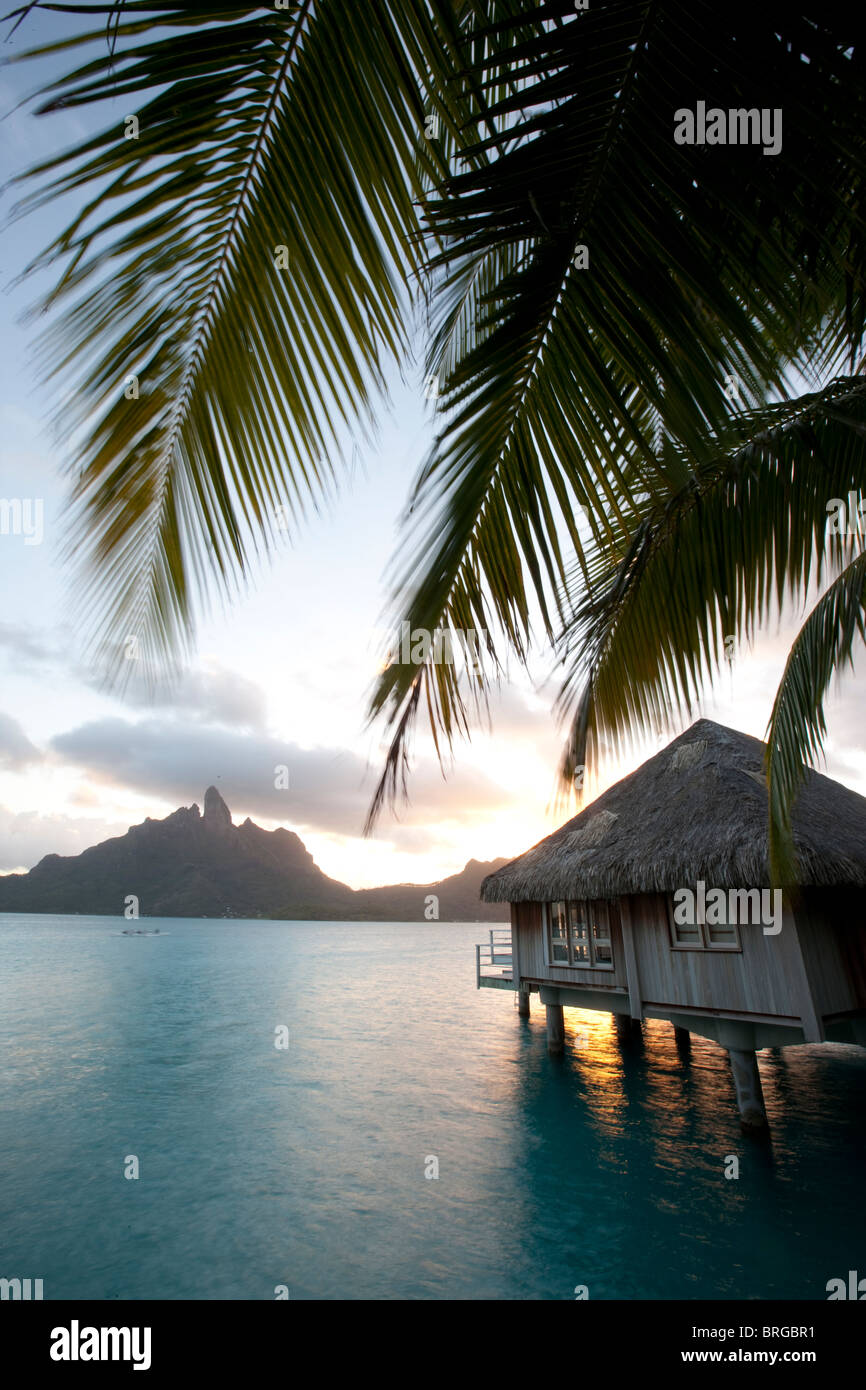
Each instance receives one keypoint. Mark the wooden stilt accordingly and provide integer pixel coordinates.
(628, 1028)
(555, 1028)
(747, 1084)
(523, 1003)
(683, 1044)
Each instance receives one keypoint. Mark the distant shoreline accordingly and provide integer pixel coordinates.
(341, 921)
(204, 867)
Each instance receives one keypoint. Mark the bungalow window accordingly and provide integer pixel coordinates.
(723, 934)
(578, 934)
(558, 934)
(687, 933)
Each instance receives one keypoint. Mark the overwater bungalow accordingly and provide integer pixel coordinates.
(654, 902)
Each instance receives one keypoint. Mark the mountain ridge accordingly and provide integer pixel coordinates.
(195, 863)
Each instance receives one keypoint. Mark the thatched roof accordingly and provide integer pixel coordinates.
(697, 810)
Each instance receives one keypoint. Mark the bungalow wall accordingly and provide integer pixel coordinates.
(834, 948)
(764, 978)
(528, 934)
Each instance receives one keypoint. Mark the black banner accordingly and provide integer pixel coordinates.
(85, 1340)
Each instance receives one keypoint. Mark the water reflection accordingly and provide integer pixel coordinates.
(605, 1166)
(632, 1186)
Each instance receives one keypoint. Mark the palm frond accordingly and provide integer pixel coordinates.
(250, 258)
(704, 266)
(795, 736)
(733, 538)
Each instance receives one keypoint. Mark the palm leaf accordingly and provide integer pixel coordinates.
(701, 268)
(251, 258)
(734, 538)
(797, 727)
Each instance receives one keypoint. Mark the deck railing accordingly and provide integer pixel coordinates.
(493, 959)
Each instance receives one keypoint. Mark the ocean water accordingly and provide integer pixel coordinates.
(305, 1166)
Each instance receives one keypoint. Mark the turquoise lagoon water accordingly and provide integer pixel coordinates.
(305, 1166)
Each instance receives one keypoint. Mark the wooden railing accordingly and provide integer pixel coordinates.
(493, 959)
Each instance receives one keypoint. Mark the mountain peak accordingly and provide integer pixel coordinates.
(217, 815)
(189, 865)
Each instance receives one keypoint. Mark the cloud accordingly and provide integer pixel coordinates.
(26, 646)
(328, 789)
(26, 836)
(16, 750)
(214, 693)
(518, 713)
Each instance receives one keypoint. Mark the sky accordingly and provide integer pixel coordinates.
(283, 676)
